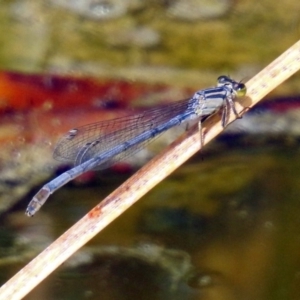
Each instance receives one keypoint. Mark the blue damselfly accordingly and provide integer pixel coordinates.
(102, 144)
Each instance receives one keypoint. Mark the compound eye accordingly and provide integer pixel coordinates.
(240, 89)
(223, 79)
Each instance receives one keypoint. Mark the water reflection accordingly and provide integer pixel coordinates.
(225, 227)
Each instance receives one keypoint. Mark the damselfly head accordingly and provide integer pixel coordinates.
(240, 89)
(223, 79)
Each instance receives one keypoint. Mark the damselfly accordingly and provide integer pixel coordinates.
(100, 145)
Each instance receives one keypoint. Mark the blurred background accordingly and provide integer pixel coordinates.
(223, 226)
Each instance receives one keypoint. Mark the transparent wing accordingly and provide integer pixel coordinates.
(83, 143)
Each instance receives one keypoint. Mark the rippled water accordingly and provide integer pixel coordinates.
(221, 227)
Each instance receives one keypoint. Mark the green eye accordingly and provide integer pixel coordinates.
(240, 90)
